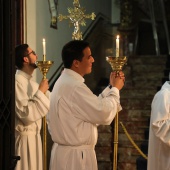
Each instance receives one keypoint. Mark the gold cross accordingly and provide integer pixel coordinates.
(77, 17)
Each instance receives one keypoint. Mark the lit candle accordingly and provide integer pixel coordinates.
(44, 49)
(117, 46)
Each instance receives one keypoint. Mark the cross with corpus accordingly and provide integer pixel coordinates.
(77, 17)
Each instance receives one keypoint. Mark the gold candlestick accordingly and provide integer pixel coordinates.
(44, 67)
(117, 64)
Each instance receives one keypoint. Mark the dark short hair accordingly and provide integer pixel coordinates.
(20, 52)
(73, 50)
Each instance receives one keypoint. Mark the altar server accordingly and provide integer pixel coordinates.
(75, 112)
(159, 133)
(32, 104)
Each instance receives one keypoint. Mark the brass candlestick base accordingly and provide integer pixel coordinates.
(44, 67)
(117, 64)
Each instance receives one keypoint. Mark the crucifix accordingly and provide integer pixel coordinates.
(77, 17)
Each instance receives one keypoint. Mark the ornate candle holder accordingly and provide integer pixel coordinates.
(117, 64)
(44, 67)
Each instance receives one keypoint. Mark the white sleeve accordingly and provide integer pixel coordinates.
(93, 109)
(160, 118)
(29, 109)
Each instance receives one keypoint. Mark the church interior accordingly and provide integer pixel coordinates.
(144, 30)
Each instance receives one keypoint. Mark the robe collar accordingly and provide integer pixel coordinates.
(166, 85)
(20, 72)
(74, 74)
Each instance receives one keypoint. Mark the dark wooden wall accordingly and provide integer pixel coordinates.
(10, 35)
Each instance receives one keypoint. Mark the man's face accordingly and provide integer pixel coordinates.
(85, 66)
(32, 57)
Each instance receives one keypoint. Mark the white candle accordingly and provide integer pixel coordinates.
(44, 49)
(117, 46)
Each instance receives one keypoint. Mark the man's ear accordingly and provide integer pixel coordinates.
(76, 63)
(25, 59)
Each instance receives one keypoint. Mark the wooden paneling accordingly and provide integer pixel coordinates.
(10, 34)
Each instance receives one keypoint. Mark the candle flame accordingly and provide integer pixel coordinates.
(117, 37)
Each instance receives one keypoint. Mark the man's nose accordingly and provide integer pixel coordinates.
(92, 59)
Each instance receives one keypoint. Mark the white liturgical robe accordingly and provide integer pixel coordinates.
(159, 134)
(31, 106)
(74, 115)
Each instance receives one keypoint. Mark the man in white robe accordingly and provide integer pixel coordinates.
(32, 104)
(75, 112)
(159, 134)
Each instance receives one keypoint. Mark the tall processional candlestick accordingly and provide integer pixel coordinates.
(44, 67)
(117, 64)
